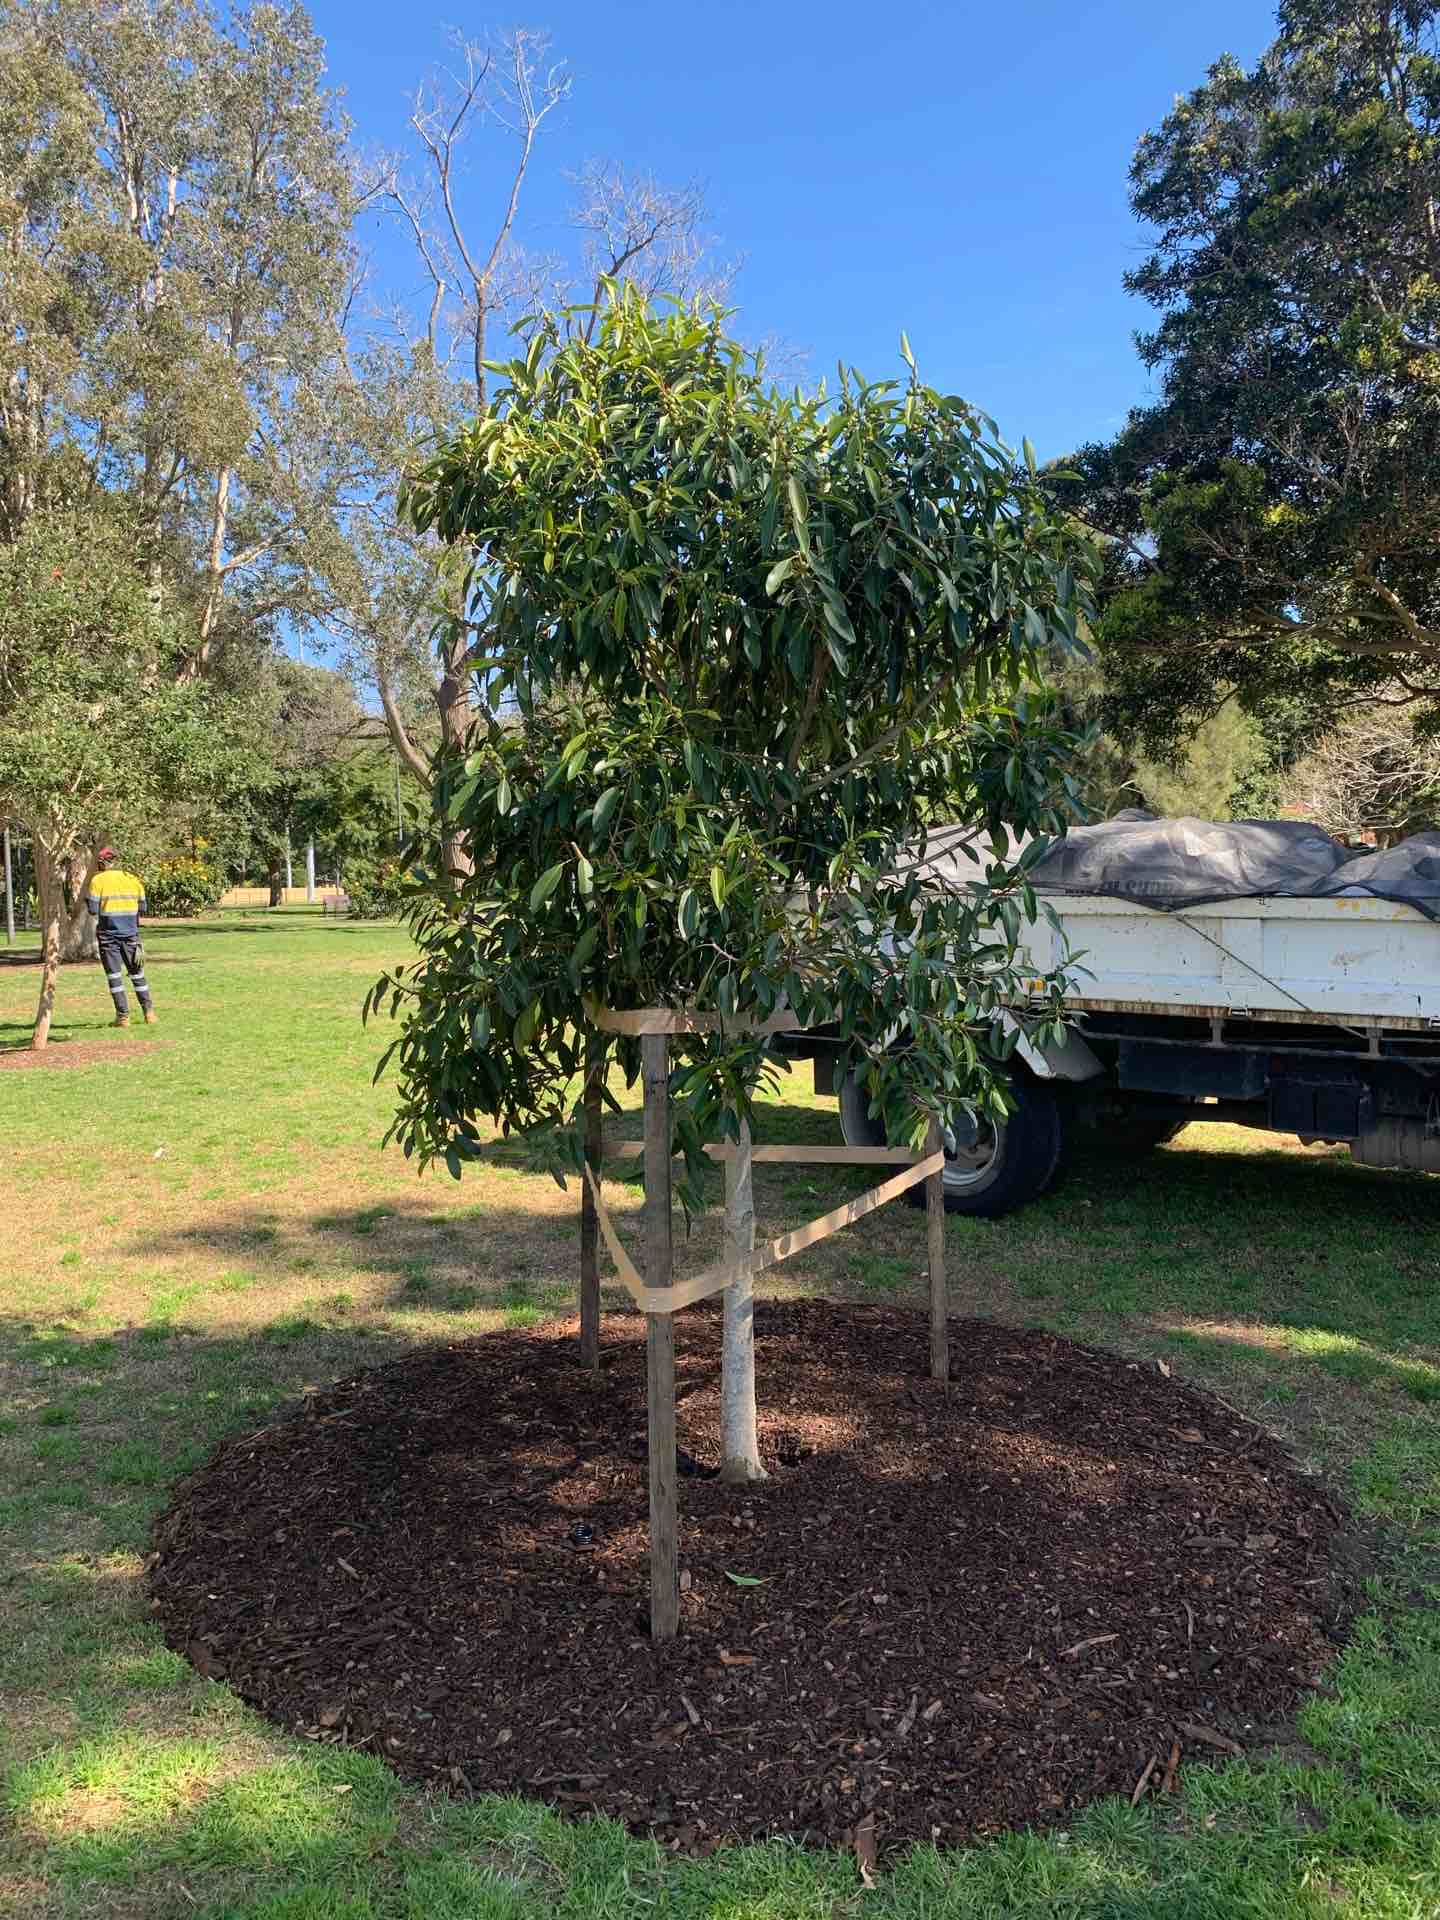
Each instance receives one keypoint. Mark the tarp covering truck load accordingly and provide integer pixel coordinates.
(1256, 972)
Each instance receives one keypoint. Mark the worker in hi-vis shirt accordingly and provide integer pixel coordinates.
(117, 900)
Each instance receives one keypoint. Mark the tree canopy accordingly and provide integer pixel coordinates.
(101, 734)
(1270, 520)
(751, 644)
(178, 200)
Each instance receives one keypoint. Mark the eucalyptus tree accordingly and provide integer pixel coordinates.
(103, 735)
(418, 368)
(178, 203)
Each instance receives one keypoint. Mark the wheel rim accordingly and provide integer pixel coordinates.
(968, 1167)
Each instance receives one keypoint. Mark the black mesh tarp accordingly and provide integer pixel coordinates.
(1172, 864)
(1409, 872)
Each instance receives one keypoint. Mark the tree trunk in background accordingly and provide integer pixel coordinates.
(739, 1440)
(310, 870)
(457, 716)
(277, 881)
(52, 909)
(77, 925)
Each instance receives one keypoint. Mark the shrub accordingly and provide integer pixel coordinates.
(179, 889)
(376, 892)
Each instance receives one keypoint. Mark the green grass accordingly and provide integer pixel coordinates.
(199, 1227)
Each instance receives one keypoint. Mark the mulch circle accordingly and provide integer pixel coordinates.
(75, 1053)
(944, 1613)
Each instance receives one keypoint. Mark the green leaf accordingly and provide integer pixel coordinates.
(748, 1579)
(717, 885)
(905, 354)
(1029, 453)
(545, 886)
(688, 917)
(503, 795)
(779, 573)
(799, 505)
(585, 877)
(604, 811)
(584, 948)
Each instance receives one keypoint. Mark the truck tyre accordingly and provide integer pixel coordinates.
(1010, 1164)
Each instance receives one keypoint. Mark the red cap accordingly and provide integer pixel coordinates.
(106, 853)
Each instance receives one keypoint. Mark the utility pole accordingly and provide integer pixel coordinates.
(9, 894)
(310, 871)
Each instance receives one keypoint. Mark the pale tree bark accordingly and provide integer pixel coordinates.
(77, 937)
(457, 716)
(398, 731)
(52, 911)
(739, 1440)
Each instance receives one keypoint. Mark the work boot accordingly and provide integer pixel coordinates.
(122, 1019)
(151, 1016)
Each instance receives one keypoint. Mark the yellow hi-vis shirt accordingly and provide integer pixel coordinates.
(117, 900)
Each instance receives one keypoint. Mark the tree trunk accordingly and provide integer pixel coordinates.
(456, 719)
(52, 907)
(277, 881)
(739, 1441)
(77, 925)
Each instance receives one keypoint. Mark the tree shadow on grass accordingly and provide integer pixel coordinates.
(1301, 1266)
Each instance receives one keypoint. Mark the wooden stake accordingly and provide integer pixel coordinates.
(939, 1297)
(589, 1220)
(660, 1344)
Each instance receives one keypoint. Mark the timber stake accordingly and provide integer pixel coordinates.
(660, 1344)
(589, 1219)
(939, 1297)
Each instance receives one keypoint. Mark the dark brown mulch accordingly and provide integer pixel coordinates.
(980, 1608)
(76, 1053)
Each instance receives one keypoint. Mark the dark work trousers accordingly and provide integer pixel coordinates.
(122, 953)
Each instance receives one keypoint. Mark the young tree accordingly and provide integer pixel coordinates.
(1271, 519)
(758, 643)
(101, 733)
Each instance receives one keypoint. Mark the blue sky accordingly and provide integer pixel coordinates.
(955, 170)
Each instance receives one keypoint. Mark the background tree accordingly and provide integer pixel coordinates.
(415, 376)
(177, 199)
(102, 735)
(1271, 518)
(757, 643)
(1375, 772)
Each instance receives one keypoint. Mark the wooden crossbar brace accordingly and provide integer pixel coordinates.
(684, 1293)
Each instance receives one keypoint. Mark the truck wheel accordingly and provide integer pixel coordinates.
(1008, 1164)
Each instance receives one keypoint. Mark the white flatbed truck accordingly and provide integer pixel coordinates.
(1313, 1017)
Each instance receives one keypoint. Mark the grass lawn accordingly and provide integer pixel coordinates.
(197, 1225)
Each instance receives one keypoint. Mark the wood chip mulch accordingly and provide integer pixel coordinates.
(74, 1053)
(944, 1613)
